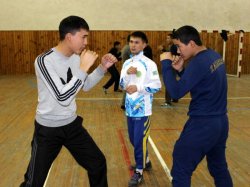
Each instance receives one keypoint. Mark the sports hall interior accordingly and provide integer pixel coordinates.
(28, 29)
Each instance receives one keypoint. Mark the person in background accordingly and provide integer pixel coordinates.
(167, 48)
(147, 51)
(115, 75)
(125, 56)
(140, 80)
(126, 51)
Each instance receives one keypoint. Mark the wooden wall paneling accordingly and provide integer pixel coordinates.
(158, 38)
(42, 41)
(232, 46)
(10, 53)
(21, 52)
(217, 42)
(203, 36)
(6, 56)
(33, 53)
(18, 49)
(246, 54)
(155, 40)
(3, 50)
(27, 51)
(212, 40)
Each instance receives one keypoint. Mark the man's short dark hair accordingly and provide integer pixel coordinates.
(171, 35)
(128, 38)
(116, 43)
(140, 34)
(72, 24)
(187, 33)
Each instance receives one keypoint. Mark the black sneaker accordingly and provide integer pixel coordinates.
(148, 166)
(174, 100)
(135, 179)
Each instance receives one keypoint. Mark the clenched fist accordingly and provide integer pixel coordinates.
(87, 59)
(108, 60)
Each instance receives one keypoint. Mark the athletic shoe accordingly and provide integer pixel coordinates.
(167, 105)
(174, 100)
(135, 179)
(148, 166)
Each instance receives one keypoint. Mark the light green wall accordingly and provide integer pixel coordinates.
(127, 14)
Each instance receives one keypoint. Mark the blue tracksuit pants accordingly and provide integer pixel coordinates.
(138, 130)
(202, 136)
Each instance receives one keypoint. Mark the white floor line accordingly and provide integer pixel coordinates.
(45, 183)
(158, 155)
(156, 98)
(163, 164)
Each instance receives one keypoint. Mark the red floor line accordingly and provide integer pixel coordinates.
(124, 150)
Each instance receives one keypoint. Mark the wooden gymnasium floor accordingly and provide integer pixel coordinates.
(105, 121)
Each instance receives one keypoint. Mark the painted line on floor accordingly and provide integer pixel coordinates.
(162, 162)
(124, 150)
(45, 183)
(156, 98)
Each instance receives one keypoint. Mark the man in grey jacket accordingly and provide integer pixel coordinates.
(61, 73)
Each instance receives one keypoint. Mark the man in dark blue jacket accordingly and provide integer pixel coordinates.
(206, 131)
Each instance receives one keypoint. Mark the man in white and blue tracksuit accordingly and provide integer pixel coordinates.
(140, 80)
